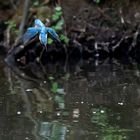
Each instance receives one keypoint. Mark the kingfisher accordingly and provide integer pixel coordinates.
(41, 30)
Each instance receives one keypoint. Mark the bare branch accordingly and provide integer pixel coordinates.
(25, 15)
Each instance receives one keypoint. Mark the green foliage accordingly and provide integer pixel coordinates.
(57, 18)
(98, 117)
(36, 3)
(97, 1)
(52, 131)
(57, 13)
(50, 41)
(58, 9)
(12, 26)
(59, 132)
(65, 113)
(59, 93)
(59, 97)
(64, 38)
(54, 87)
(107, 132)
(59, 23)
(60, 101)
(51, 78)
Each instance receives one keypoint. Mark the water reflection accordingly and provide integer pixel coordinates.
(84, 100)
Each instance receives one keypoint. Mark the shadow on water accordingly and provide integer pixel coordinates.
(84, 100)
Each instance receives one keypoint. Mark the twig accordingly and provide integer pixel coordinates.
(135, 38)
(118, 44)
(8, 37)
(134, 42)
(121, 17)
(25, 15)
(13, 5)
(6, 42)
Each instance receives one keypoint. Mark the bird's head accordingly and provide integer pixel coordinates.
(38, 23)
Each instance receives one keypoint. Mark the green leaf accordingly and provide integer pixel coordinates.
(51, 78)
(61, 105)
(64, 38)
(59, 99)
(65, 113)
(59, 13)
(36, 3)
(60, 91)
(54, 87)
(59, 25)
(58, 8)
(11, 24)
(97, 1)
(55, 17)
(60, 22)
(50, 41)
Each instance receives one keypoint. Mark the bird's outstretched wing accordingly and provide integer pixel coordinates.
(53, 34)
(29, 34)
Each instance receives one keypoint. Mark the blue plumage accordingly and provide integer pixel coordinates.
(40, 30)
(53, 34)
(38, 23)
(43, 36)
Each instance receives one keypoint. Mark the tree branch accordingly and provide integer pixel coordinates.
(25, 15)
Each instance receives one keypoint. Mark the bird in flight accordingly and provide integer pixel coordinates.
(41, 30)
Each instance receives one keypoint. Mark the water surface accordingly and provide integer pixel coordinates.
(87, 100)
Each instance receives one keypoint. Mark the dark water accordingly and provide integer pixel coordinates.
(87, 100)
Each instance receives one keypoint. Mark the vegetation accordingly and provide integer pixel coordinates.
(100, 117)
(58, 24)
(59, 94)
(79, 89)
